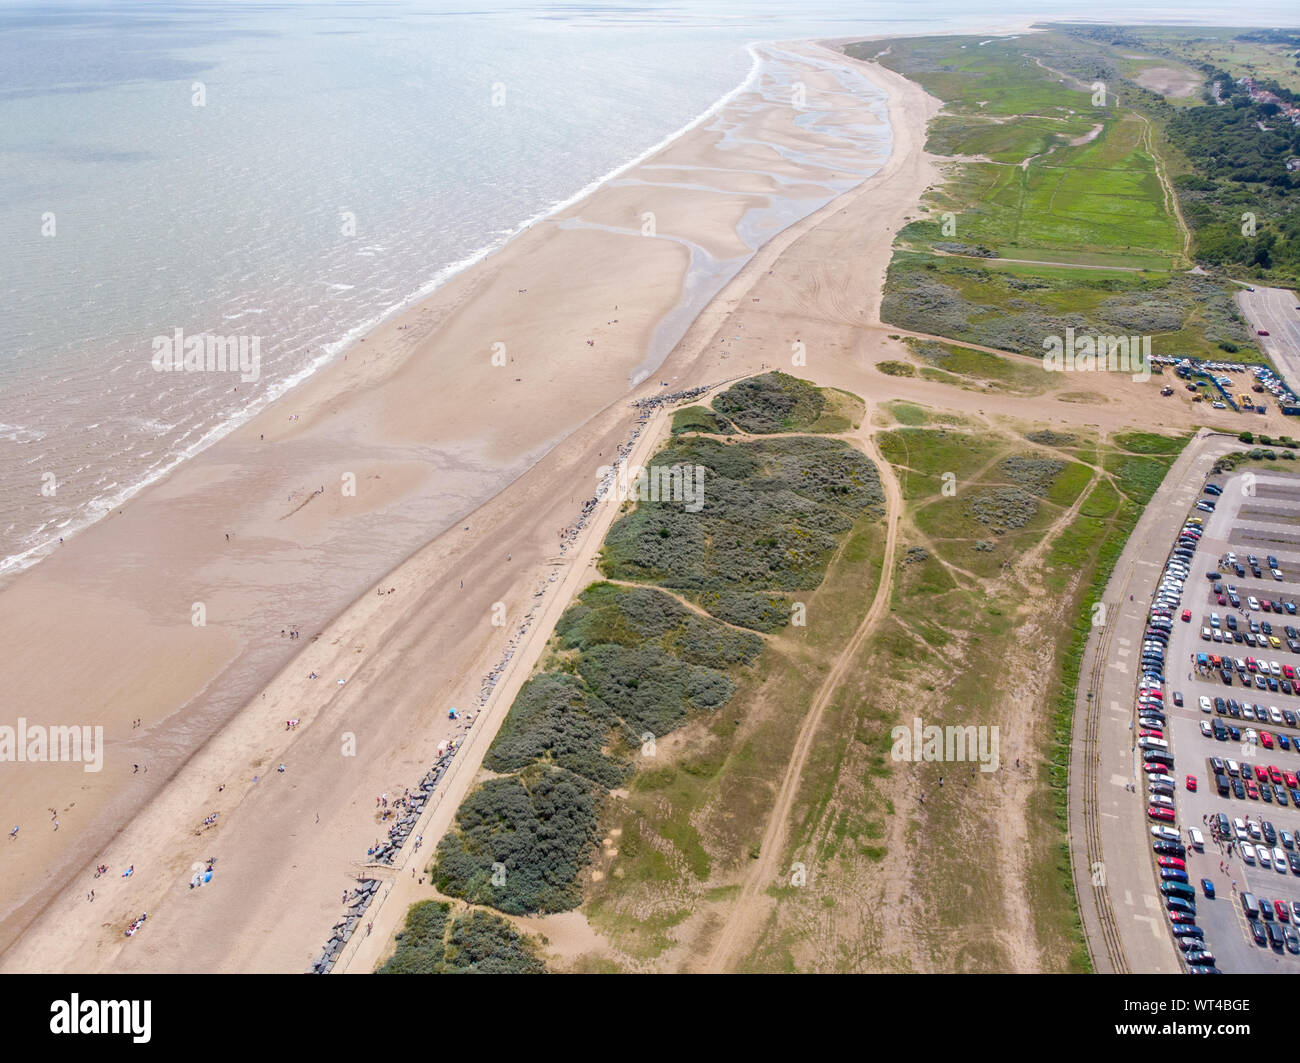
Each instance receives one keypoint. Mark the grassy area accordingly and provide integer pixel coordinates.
(432, 942)
(778, 402)
(966, 367)
(984, 623)
(1065, 157)
(1016, 307)
(1048, 171)
(631, 665)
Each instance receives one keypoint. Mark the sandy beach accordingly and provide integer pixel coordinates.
(380, 511)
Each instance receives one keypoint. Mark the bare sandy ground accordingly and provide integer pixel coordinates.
(417, 447)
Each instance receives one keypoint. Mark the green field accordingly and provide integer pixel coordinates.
(1062, 176)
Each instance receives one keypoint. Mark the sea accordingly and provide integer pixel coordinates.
(286, 175)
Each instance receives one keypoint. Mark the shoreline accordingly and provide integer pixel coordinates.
(502, 442)
(15, 564)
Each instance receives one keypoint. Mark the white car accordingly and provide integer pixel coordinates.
(1239, 829)
(1252, 736)
(1253, 602)
(1160, 799)
(1248, 854)
(1205, 704)
(1274, 667)
(1169, 780)
(1253, 828)
(1265, 857)
(1274, 714)
(1216, 635)
(1279, 860)
(1205, 634)
(1166, 834)
(1206, 729)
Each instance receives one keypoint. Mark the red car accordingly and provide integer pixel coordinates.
(1260, 773)
(1164, 814)
(1252, 791)
(1191, 783)
(1154, 767)
(1289, 778)
(1151, 734)
(1172, 861)
(1274, 773)
(1181, 917)
(1265, 739)
(1187, 616)
(1262, 332)
(1282, 913)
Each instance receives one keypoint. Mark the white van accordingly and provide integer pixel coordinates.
(1153, 743)
(1197, 839)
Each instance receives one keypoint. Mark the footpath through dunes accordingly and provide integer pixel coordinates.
(632, 668)
(431, 428)
(746, 916)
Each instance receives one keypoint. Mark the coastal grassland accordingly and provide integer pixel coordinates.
(1260, 54)
(966, 367)
(630, 663)
(472, 942)
(903, 872)
(1014, 307)
(777, 402)
(1140, 148)
(908, 413)
(689, 822)
(1045, 172)
(639, 657)
(700, 419)
(1226, 147)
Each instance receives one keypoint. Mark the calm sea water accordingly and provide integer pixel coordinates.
(294, 172)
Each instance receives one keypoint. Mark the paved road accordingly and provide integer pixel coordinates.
(1274, 310)
(1119, 898)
